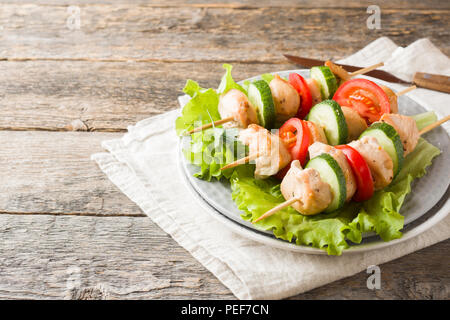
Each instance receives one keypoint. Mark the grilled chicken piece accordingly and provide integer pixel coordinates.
(317, 133)
(338, 71)
(318, 148)
(406, 128)
(355, 123)
(392, 98)
(379, 162)
(285, 98)
(314, 194)
(235, 104)
(315, 91)
(273, 155)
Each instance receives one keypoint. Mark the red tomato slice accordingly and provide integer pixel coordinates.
(297, 133)
(365, 96)
(299, 83)
(362, 173)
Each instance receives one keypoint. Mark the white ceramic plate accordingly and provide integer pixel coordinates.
(425, 205)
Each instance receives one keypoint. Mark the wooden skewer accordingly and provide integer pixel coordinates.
(245, 160)
(293, 200)
(434, 125)
(400, 93)
(277, 208)
(209, 125)
(251, 157)
(365, 70)
(228, 119)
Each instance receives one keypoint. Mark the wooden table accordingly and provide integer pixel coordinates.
(65, 229)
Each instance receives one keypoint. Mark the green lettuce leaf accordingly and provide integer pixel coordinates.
(267, 77)
(227, 81)
(332, 231)
(203, 106)
(201, 109)
(213, 148)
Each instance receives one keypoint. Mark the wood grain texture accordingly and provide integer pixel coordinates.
(55, 257)
(421, 275)
(105, 96)
(397, 4)
(65, 230)
(129, 32)
(51, 173)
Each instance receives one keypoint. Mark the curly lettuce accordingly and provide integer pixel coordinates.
(213, 148)
(203, 106)
(332, 231)
(227, 82)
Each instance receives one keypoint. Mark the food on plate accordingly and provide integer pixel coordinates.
(305, 89)
(340, 165)
(355, 123)
(261, 98)
(270, 153)
(329, 116)
(365, 96)
(285, 98)
(393, 104)
(361, 171)
(319, 148)
(312, 193)
(377, 159)
(235, 104)
(406, 128)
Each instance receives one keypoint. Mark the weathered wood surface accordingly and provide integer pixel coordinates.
(88, 257)
(105, 96)
(61, 217)
(48, 257)
(51, 173)
(129, 32)
(389, 4)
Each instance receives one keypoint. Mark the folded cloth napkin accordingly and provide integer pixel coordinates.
(143, 164)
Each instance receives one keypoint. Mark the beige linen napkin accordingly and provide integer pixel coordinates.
(143, 164)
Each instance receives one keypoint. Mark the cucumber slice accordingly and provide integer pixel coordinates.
(260, 98)
(328, 114)
(326, 79)
(331, 173)
(389, 140)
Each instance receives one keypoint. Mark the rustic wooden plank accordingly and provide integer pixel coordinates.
(50, 95)
(124, 32)
(51, 257)
(421, 275)
(51, 173)
(55, 257)
(391, 4)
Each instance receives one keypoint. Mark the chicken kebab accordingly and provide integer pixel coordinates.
(272, 102)
(341, 173)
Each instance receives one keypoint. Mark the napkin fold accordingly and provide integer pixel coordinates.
(143, 164)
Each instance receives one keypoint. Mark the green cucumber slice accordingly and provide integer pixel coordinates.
(326, 79)
(389, 140)
(260, 98)
(328, 114)
(331, 173)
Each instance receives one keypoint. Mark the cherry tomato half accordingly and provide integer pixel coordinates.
(361, 171)
(365, 96)
(295, 133)
(299, 83)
